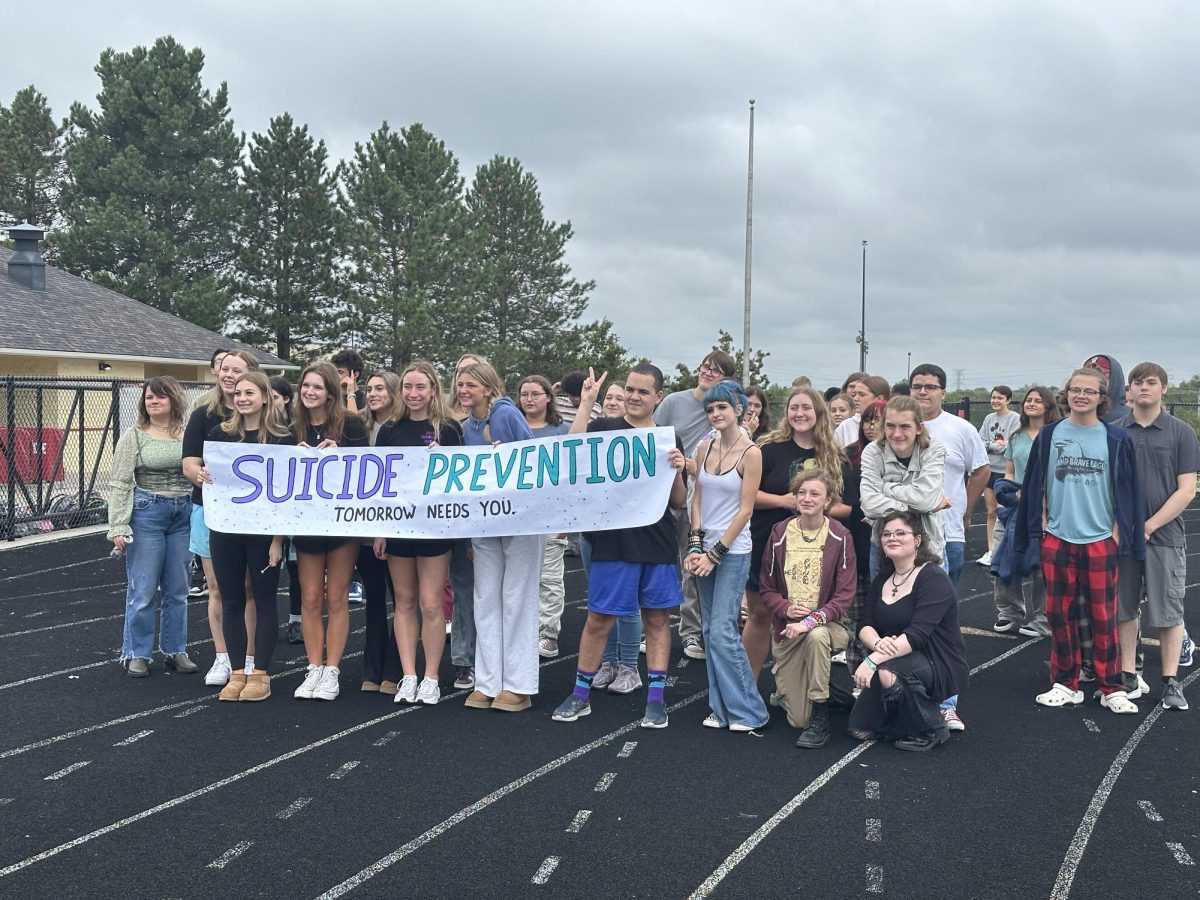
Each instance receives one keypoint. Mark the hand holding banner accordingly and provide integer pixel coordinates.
(581, 482)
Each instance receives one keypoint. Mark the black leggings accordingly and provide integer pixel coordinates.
(381, 660)
(232, 555)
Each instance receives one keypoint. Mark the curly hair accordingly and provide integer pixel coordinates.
(829, 456)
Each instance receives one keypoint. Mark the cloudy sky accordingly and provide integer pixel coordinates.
(1027, 174)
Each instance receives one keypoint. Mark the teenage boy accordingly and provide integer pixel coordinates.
(1168, 457)
(632, 568)
(684, 411)
(350, 365)
(1081, 494)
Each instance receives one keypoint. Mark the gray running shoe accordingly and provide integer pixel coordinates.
(605, 676)
(627, 681)
(656, 715)
(571, 709)
(1172, 697)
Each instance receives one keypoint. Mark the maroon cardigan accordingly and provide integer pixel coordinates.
(839, 574)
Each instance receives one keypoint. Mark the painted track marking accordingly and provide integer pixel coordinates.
(288, 811)
(63, 773)
(134, 738)
(1091, 726)
(545, 870)
(1148, 808)
(874, 879)
(871, 790)
(231, 854)
(627, 751)
(875, 830)
(386, 739)
(344, 770)
(579, 821)
(1181, 855)
(605, 782)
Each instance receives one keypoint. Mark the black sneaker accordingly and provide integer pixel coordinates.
(295, 635)
(921, 743)
(1004, 626)
(464, 677)
(197, 586)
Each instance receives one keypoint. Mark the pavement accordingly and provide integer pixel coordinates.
(111, 786)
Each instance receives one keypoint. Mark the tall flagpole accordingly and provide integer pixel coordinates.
(749, 248)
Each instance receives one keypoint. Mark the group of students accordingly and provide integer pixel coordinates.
(838, 533)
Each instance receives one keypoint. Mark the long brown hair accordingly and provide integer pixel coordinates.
(553, 416)
(335, 412)
(269, 423)
(163, 386)
(829, 456)
(1048, 402)
(392, 382)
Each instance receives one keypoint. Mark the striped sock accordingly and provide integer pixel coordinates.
(657, 682)
(583, 683)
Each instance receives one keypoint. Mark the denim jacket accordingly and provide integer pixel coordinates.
(1129, 510)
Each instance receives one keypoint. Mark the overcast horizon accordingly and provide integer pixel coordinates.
(1026, 174)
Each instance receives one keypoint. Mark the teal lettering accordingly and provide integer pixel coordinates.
(595, 477)
(479, 473)
(615, 474)
(547, 468)
(439, 465)
(643, 456)
(570, 445)
(458, 468)
(502, 471)
(526, 468)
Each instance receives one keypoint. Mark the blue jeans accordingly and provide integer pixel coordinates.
(953, 564)
(732, 691)
(157, 560)
(625, 637)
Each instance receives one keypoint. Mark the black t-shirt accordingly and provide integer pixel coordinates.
(407, 433)
(654, 543)
(354, 433)
(199, 424)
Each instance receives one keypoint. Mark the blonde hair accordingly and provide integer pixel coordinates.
(439, 415)
(268, 422)
(829, 456)
(216, 402)
(816, 474)
(455, 410)
(903, 403)
(335, 412)
(483, 372)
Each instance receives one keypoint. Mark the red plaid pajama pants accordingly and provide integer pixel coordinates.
(1082, 574)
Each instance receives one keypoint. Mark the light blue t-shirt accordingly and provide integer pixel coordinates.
(1019, 445)
(1080, 507)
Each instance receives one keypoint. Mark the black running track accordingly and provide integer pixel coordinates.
(111, 787)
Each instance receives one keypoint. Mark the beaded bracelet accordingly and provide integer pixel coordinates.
(811, 622)
(821, 616)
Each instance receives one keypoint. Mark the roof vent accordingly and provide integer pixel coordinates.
(26, 265)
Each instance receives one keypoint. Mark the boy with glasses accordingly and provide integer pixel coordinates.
(1081, 494)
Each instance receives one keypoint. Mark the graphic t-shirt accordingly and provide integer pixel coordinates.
(1080, 501)
(802, 562)
(407, 433)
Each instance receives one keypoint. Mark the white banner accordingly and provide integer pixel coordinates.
(579, 482)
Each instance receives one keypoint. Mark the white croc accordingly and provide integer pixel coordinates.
(1118, 702)
(1060, 695)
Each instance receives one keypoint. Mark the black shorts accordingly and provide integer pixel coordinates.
(993, 477)
(412, 548)
(318, 544)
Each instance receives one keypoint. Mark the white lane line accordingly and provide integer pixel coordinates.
(1091, 726)
(133, 738)
(46, 742)
(386, 739)
(627, 751)
(672, 680)
(4, 801)
(189, 712)
(480, 805)
(231, 854)
(34, 615)
(289, 811)
(86, 562)
(344, 770)
(1181, 855)
(1148, 808)
(747, 846)
(683, 662)
(545, 870)
(871, 790)
(62, 773)
(605, 782)
(261, 767)
(875, 830)
(95, 665)
(579, 821)
(45, 628)
(874, 879)
(1074, 854)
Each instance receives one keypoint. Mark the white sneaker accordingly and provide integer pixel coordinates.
(311, 680)
(428, 692)
(218, 675)
(1118, 702)
(406, 691)
(986, 559)
(329, 686)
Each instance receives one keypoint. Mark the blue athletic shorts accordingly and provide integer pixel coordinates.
(198, 541)
(624, 588)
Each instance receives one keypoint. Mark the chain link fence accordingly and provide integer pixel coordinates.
(57, 438)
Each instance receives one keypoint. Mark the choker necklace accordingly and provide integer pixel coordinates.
(896, 585)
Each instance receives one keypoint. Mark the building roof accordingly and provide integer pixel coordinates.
(75, 317)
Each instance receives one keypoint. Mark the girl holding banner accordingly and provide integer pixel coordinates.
(506, 568)
(419, 568)
(234, 556)
(325, 563)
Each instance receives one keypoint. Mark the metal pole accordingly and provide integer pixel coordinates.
(862, 332)
(749, 247)
(908, 366)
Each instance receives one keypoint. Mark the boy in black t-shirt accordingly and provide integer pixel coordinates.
(632, 568)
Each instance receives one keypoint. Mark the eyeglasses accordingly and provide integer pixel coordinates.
(532, 396)
(706, 369)
(922, 388)
(889, 535)
(1083, 392)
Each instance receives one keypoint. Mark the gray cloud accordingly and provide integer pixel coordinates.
(1027, 173)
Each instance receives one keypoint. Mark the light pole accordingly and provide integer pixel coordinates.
(862, 331)
(749, 246)
(908, 366)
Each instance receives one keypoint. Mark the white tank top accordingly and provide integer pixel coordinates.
(720, 498)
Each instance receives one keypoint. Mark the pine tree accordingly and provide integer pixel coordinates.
(31, 166)
(153, 206)
(527, 299)
(408, 246)
(284, 283)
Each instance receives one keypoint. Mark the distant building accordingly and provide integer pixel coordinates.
(55, 324)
